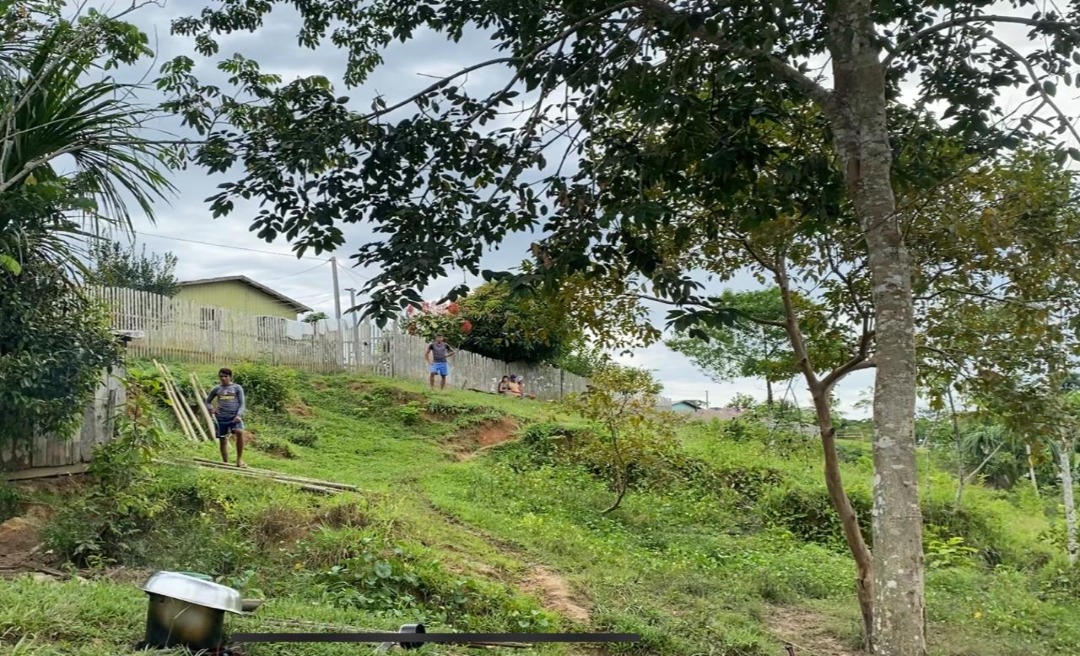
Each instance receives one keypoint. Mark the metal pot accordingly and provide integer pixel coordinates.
(187, 610)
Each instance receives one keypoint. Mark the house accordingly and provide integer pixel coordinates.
(701, 411)
(242, 294)
(687, 406)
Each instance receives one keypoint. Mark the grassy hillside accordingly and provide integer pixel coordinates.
(483, 514)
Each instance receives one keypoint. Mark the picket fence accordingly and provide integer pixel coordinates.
(200, 333)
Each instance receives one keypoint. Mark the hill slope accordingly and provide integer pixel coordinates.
(478, 513)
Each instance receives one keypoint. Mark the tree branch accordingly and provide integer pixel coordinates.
(819, 94)
(709, 306)
(798, 342)
(977, 294)
(858, 361)
(1035, 81)
(1071, 28)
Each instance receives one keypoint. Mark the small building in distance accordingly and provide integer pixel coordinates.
(700, 411)
(687, 406)
(241, 294)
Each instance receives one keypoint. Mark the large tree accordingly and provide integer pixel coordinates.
(440, 185)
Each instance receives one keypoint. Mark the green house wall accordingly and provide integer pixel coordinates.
(235, 295)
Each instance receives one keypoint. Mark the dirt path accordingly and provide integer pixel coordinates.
(554, 592)
(806, 631)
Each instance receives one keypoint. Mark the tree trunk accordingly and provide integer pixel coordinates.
(768, 393)
(960, 475)
(1067, 493)
(849, 520)
(820, 391)
(1031, 470)
(858, 117)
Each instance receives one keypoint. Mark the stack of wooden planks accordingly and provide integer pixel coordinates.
(305, 483)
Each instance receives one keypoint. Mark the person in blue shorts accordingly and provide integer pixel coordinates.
(438, 355)
(229, 414)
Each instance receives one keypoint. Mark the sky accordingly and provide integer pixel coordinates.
(207, 247)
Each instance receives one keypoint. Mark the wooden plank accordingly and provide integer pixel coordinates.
(46, 472)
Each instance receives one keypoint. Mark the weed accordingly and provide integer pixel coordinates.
(266, 386)
(9, 502)
(950, 552)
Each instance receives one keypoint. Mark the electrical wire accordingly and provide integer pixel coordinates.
(237, 248)
(317, 266)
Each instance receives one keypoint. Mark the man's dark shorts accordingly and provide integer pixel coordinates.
(226, 425)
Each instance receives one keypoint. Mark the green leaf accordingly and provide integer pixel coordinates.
(11, 264)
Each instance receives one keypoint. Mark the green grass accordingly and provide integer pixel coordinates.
(735, 531)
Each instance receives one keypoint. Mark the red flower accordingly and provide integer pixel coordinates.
(452, 308)
(466, 326)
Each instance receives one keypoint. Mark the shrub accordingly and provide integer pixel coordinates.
(54, 345)
(808, 513)
(979, 528)
(265, 386)
(9, 502)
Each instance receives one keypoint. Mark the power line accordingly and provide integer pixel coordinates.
(317, 266)
(237, 248)
(349, 271)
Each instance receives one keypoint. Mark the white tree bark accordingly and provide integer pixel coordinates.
(1031, 470)
(1067, 494)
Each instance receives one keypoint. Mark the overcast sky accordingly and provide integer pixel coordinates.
(207, 247)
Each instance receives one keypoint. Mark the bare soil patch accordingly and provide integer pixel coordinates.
(555, 593)
(467, 442)
(21, 537)
(300, 409)
(807, 632)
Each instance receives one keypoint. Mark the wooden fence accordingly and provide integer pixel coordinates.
(71, 453)
(207, 334)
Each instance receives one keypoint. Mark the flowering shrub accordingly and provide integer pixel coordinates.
(437, 319)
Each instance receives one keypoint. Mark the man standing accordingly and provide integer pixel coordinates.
(437, 355)
(228, 414)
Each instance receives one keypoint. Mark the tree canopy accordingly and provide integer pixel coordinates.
(115, 266)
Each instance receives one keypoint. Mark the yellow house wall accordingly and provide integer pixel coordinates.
(235, 295)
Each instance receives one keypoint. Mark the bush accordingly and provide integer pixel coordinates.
(54, 345)
(809, 514)
(265, 386)
(9, 502)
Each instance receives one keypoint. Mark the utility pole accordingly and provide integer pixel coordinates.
(355, 327)
(337, 308)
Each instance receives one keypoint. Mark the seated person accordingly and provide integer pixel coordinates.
(504, 385)
(513, 387)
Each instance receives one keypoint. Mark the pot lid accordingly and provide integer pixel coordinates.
(194, 589)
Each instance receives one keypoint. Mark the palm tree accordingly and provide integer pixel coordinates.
(72, 150)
